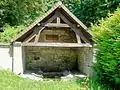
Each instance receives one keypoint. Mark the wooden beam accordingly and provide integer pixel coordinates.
(30, 38)
(57, 44)
(73, 27)
(35, 33)
(78, 38)
(57, 13)
(49, 20)
(81, 35)
(38, 33)
(55, 25)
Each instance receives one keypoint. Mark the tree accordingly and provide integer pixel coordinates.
(90, 11)
(16, 12)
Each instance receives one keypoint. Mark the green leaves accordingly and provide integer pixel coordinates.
(90, 11)
(10, 32)
(107, 37)
(16, 12)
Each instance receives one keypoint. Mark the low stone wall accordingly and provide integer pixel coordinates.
(5, 56)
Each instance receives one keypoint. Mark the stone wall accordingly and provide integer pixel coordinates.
(63, 35)
(59, 59)
(51, 58)
(5, 56)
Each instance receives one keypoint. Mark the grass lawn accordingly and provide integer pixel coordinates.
(10, 81)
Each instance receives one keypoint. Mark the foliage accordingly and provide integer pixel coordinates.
(90, 83)
(10, 32)
(15, 12)
(10, 81)
(90, 11)
(107, 39)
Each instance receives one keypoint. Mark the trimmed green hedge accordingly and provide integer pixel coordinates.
(107, 38)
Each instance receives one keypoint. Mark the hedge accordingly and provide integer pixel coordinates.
(107, 39)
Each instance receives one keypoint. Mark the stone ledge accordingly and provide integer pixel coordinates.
(4, 45)
(17, 44)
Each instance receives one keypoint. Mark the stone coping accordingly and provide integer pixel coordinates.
(3, 45)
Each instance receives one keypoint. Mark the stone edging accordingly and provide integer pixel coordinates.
(4, 45)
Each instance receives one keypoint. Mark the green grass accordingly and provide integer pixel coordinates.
(10, 81)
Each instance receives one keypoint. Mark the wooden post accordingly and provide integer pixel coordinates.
(58, 20)
(78, 38)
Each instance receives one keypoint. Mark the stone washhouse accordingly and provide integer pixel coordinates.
(57, 41)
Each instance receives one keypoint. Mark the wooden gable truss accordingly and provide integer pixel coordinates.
(63, 19)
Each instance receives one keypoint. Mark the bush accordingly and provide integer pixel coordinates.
(107, 39)
(10, 33)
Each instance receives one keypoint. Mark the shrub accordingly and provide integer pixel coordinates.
(10, 32)
(107, 38)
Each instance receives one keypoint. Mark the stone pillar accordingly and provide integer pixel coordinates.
(85, 60)
(80, 59)
(88, 51)
(17, 58)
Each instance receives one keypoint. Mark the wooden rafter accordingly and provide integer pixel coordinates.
(38, 34)
(81, 35)
(74, 17)
(31, 37)
(50, 20)
(73, 27)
